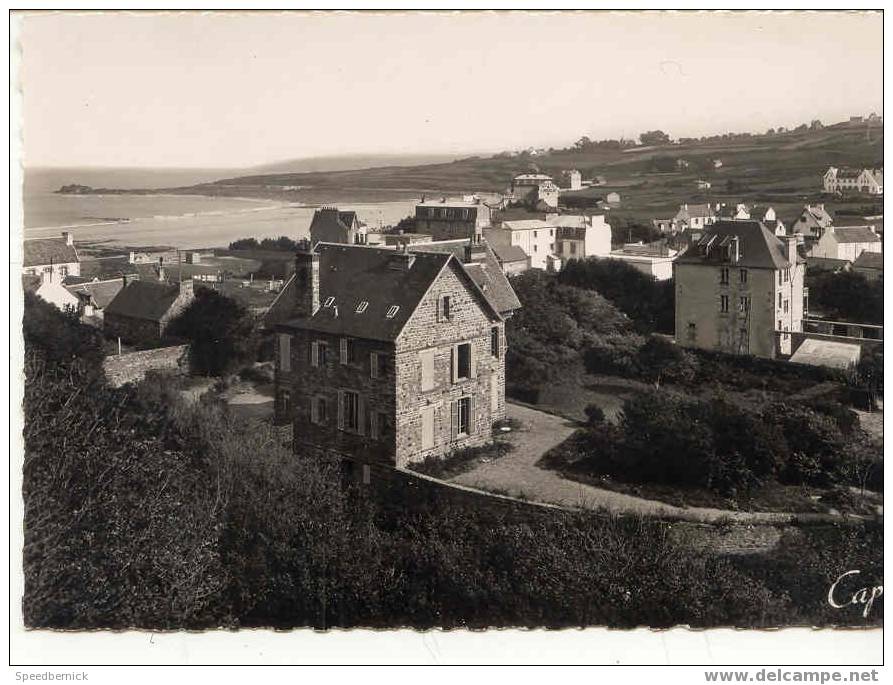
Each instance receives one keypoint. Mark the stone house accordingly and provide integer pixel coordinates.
(691, 217)
(847, 242)
(94, 296)
(652, 259)
(870, 265)
(48, 287)
(452, 219)
(533, 189)
(142, 310)
(387, 356)
(812, 222)
(331, 225)
(737, 287)
(512, 259)
(56, 256)
(574, 179)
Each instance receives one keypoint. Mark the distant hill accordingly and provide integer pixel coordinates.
(346, 162)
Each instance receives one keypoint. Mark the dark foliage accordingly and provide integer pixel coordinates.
(60, 337)
(222, 334)
(847, 295)
(556, 322)
(647, 302)
(282, 243)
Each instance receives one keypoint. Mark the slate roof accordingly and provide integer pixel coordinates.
(326, 218)
(827, 264)
(100, 292)
(42, 251)
(144, 300)
(487, 273)
(509, 253)
(107, 267)
(351, 274)
(702, 210)
(847, 172)
(870, 260)
(526, 225)
(830, 353)
(759, 247)
(855, 234)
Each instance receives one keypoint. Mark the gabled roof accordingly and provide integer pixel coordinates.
(352, 274)
(848, 172)
(758, 246)
(328, 218)
(855, 234)
(43, 251)
(143, 300)
(486, 272)
(702, 210)
(525, 225)
(30, 283)
(830, 353)
(870, 260)
(826, 264)
(107, 267)
(101, 293)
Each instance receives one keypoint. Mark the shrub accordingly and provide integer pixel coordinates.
(221, 333)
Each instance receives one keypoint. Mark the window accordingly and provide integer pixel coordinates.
(786, 306)
(378, 365)
(285, 402)
(463, 416)
(573, 248)
(392, 312)
(724, 276)
(536, 248)
(426, 361)
(779, 300)
(534, 234)
(329, 302)
(779, 277)
(63, 270)
(444, 309)
(383, 426)
(350, 410)
(362, 307)
(743, 304)
(724, 304)
(742, 276)
(463, 361)
(319, 410)
(284, 352)
(494, 341)
(787, 275)
(778, 328)
(347, 351)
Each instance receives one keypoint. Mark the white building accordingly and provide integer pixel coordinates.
(534, 188)
(47, 285)
(651, 260)
(578, 237)
(847, 242)
(535, 236)
(57, 256)
(574, 179)
(849, 180)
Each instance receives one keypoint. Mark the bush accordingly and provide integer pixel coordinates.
(222, 334)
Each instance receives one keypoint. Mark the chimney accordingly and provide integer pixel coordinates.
(791, 248)
(186, 288)
(306, 280)
(69, 237)
(131, 258)
(123, 281)
(161, 269)
(476, 250)
(402, 259)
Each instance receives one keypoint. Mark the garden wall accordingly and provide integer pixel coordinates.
(132, 366)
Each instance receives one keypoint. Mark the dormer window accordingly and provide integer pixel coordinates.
(362, 307)
(392, 311)
(329, 302)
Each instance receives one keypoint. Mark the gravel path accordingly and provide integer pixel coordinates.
(517, 474)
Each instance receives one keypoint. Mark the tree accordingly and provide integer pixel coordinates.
(816, 125)
(656, 137)
(847, 295)
(222, 334)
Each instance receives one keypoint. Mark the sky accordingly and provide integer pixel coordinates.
(237, 90)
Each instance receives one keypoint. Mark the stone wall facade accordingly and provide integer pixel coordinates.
(128, 368)
(394, 407)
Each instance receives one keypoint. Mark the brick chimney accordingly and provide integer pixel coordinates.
(475, 250)
(69, 237)
(161, 274)
(791, 248)
(187, 288)
(306, 297)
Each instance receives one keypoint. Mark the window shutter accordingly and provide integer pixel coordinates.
(454, 419)
(314, 353)
(454, 363)
(373, 425)
(373, 365)
(344, 350)
(361, 415)
(472, 416)
(314, 410)
(340, 410)
(439, 309)
(284, 352)
(472, 362)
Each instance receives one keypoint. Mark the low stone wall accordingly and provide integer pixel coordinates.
(130, 367)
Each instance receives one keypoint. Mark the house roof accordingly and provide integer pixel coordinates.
(830, 353)
(525, 225)
(827, 263)
(848, 172)
(30, 283)
(107, 267)
(758, 246)
(100, 292)
(703, 210)
(352, 274)
(144, 300)
(42, 251)
(327, 218)
(509, 253)
(450, 202)
(855, 234)
(486, 272)
(870, 260)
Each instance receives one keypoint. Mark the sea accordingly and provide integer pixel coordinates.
(180, 221)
